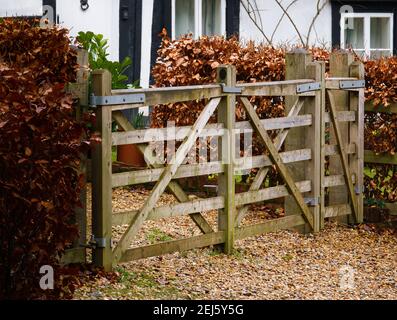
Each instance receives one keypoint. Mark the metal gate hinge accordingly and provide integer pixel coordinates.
(100, 242)
(352, 84)
(312, 201)
(97, 242)
(358, 191)
(307, 87)
(117, 100)
(235, 90)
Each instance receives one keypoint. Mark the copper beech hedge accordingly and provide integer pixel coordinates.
(40, 149)
(187, 61)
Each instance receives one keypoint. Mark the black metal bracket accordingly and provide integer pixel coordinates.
(96, 243)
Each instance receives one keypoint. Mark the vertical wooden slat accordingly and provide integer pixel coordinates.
(322, 148)
(314, 70)
(102, 173)
(339, 67)
(296, 62)
(356, 133)
(227, 150)
(79, 90)
(343, 154)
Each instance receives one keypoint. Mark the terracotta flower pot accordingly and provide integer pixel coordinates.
(130, 155)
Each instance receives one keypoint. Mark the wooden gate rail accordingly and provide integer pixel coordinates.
(308, 114)
(175, 189)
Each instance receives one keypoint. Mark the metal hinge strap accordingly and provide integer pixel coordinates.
(352, 84)
(234, 90)
(117, 100)
(312, 201)
(307, 87)
(97, 243)
(359, 190)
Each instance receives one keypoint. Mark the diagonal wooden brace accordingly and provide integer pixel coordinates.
(173, 186)
(343, 155)
(275, 157)
(137, 221)
(262, 173)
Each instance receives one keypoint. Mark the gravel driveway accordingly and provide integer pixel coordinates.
(338, 263)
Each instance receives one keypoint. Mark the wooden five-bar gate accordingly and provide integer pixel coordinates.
(298, 153)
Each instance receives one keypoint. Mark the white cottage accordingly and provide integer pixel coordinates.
(132, 26)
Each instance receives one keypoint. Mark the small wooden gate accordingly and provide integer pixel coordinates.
(306, 111)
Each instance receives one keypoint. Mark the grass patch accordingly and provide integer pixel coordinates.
(184, 254)
(140, 285)
(214, 252)
(288, 257)
(142, 280)
(125, 276)
(239, 254)
(156, 235)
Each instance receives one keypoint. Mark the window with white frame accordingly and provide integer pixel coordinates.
(199, 17)
(369, 34)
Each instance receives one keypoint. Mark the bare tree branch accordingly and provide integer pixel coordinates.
(251, 7)
(292, 22)
(259, 14)
(280, 20)
(319, 9)
(252, 16)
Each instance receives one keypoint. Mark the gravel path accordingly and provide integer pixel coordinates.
(281, 265)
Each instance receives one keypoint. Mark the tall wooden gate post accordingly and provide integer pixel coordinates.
(314, 136)
(296, 62)
(339, 67)
(226, 74)
(356, 133)
(102, 175)
(79, 90)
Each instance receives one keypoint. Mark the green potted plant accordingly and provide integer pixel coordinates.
(97, 47)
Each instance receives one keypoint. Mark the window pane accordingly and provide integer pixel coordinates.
(184, 17)
(354, 33)
(380, 33)
(211, 17)
(376, 54)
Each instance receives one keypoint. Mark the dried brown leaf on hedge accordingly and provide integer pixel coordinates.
(40, 149)
(381, 78)
(257, 63)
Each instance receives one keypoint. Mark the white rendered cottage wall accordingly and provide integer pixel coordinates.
(9, 8)
(101, 17)
(147, 19)
(146, 46)
(301, 13)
